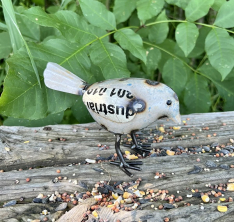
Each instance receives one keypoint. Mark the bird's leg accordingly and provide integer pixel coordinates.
(138, 147)
(124, 165)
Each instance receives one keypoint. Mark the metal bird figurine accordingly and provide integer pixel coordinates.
(121, 106)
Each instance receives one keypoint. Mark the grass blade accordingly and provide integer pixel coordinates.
(17, 39)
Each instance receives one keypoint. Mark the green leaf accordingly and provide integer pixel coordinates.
(123, 9)
(5, 45)
(180, 3)
(153, 58)
(22, 97)
(79, 110)
(51, 119)
(197, 9)
(110, 58)
(200, 43)
(9, 15)
(225, 88)
(17, 39)
(217, 4)
(220, 49)
(72, 26)
(147, 9)
(197, 97)
(186, 35)
(131, 41)
(28, 28)
(175, 75)
(169, 48)
(3, 27)
(97, 14)
(225, 17)
(158, 32)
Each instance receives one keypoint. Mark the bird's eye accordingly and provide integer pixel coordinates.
(169, 102)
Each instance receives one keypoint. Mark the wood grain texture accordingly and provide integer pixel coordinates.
(82, 142)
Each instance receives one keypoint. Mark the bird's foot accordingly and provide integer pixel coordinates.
(128, 165)
(141, 149)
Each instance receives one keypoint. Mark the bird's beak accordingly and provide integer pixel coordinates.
(176, 119)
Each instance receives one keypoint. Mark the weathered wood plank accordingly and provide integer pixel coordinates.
(82, 140)
(81, 143)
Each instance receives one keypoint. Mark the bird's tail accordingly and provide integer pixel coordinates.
(60, 79)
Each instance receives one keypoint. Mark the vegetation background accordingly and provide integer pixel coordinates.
(187, 44)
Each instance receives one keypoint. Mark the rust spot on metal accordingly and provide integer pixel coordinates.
(151, 82)
(123, 79)
(137, 102)
(176, 97)
(87, 86)
(104, 127)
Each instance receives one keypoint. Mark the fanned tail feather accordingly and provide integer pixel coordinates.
(58, 78)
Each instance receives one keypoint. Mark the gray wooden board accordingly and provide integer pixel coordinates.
(82, 142)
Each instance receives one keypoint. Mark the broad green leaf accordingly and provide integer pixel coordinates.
(51, 119)
(175, 75)
(169, 49)
(17, 39)
(180, 3)
(5, 45)
(79, 110)
(97, 14)
(197, 9)
(110, 58)
(28, 28)
(200, 43)
(186, 35)
(225, 88)
(9, 15)
(131, 41)
(147, 9)
(225, 17)
(123, 9)
(158, 32)
(217, 4)
(23, 98)
(153, 58)
(197, 97)
(220, 49)
(71, 25)
(134, 21)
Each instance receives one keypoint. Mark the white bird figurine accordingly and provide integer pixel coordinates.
(121, 106)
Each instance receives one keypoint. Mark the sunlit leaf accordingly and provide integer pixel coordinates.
(200, 43)
(179, 3)
(158, 32)
(186, 35)
(197, 9)
(110, 58)
(23, 98)
(225, 17)
(5, 45)
(123, 9)
(197, 97)
(71, 25)
(97, 14)
(131, 41)
(175, 75)
(217, 4)
(220, 50)
(147, 9)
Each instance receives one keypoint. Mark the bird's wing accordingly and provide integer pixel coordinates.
(115, 104)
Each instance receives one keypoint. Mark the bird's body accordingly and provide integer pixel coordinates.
(111, 103)
(120, 106)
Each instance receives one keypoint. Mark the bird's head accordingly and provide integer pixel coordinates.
(170, 105)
